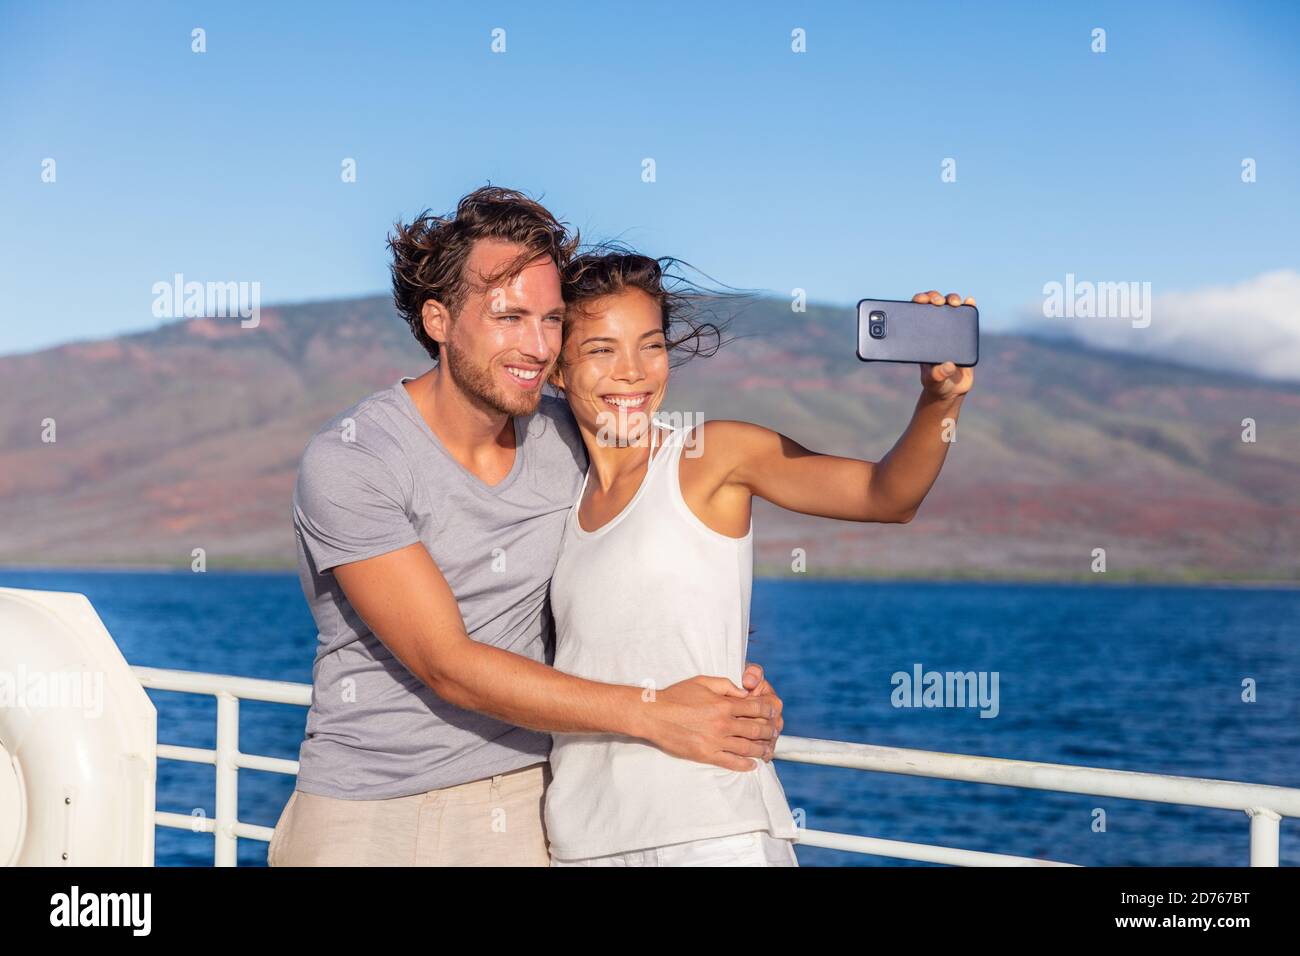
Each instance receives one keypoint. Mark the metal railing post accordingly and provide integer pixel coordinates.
(226, 842)
(1265, 835)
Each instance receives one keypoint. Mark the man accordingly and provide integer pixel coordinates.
(428, 519)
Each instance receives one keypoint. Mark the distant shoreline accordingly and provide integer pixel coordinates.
(770, 573)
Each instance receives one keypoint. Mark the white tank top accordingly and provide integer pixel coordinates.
(650, 598)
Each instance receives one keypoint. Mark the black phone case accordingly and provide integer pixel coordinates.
(917, 332)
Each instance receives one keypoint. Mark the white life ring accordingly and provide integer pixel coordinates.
(78, 739)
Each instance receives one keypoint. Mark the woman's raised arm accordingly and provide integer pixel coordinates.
(780, 470)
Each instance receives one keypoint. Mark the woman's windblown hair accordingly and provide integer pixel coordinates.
(695, 314)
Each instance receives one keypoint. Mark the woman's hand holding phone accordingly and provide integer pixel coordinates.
(948, 380)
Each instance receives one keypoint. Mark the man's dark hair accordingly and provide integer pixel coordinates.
(429, 254)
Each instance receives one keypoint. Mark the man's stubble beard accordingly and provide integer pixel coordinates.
(477, 382)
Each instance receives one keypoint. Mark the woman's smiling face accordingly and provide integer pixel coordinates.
(614, 364)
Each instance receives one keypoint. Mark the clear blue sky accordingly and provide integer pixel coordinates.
(775, 170)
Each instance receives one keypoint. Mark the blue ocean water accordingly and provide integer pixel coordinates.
(1134, 678)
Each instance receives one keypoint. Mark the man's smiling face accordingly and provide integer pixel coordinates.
(505, 339)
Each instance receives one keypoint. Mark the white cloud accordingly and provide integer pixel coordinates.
(1252, 327)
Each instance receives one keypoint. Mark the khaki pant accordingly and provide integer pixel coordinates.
(496, 821)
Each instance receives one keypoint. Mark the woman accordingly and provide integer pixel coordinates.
(653, 580)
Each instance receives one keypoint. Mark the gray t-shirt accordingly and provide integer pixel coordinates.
(374, 479)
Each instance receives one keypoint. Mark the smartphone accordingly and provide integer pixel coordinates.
(918, 332)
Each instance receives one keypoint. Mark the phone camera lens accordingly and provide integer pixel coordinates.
(877, 325)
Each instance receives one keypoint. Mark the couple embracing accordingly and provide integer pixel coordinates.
(533, 610)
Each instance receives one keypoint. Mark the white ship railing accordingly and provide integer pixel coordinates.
(1264, 805)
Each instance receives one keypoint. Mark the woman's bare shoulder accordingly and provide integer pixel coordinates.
(717, 446)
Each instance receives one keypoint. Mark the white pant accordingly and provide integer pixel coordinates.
(757, 848)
